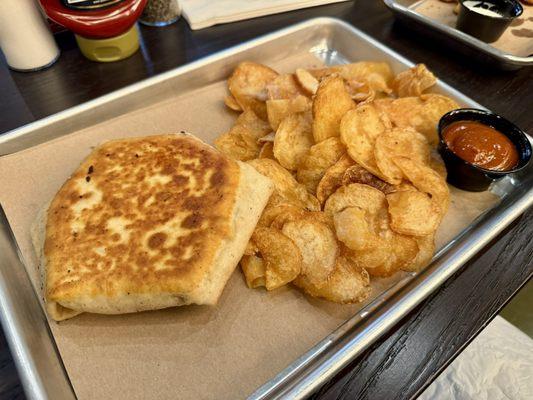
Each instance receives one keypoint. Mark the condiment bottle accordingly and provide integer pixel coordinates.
(104, 29)
(25, 37)
(160, 12)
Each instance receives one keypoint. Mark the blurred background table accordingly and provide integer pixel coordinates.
(406, 360)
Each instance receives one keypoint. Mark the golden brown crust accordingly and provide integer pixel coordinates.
(139, 215)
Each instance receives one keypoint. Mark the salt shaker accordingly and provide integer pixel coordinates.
(25, 37)
(160, 12)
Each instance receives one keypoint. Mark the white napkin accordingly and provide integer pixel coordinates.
(498, 364)
(204, 13)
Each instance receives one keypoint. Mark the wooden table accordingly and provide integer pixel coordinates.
(426, 341)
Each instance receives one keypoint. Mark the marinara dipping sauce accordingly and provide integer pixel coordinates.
(481, 145)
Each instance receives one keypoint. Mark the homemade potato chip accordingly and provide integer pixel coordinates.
(286, 215)
(307, 81)
(232, 103)
(414, 81)
(347, 284)
(405, 251)
(251, 248)
(359, 130)
(285, 185)
(426, 249)
(254, 271)
(248, 86)
(267, 138)
(256, 127)
(321, 73)
(293, 140)
(356, 195)
(267, 151)
(312, 203)
(240, 143)
(357, 174)
(377, 261)
(275, 200)
(362, 224)
(330, 103)
(320, 216)
(379, 250)
(392, 253)
(412, 213)
(428, 181)
(437, 164)
(271, 211)
(321, 156)
(332, 178)
(282, 258)
(403, 142)
(378, 75)
(286, 211)
(278, 110)
(360, 91)
(318, 246)
(284, 86)
(354, 229)
(237, 144)
(420, 113)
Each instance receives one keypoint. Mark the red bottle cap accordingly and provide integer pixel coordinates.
(95, 24)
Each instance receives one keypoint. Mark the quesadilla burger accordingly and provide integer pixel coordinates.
(147, 223)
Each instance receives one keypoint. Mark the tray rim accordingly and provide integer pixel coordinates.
(377, 324)
(507, 58)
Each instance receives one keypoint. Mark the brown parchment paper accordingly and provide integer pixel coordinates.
(192, 352)
(516, 40)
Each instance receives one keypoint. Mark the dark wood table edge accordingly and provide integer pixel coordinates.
(473, 337)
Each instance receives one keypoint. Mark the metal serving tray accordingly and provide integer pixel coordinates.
(456, 39)
(332, 41)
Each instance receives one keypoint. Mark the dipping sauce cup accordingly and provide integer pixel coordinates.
(487, 20)
(479, 147)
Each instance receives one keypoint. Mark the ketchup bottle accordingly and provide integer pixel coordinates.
(104, 29)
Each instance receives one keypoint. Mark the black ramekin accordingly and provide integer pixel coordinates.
(467, 176)
(485, 27)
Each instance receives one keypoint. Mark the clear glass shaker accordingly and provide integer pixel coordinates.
(160, 12)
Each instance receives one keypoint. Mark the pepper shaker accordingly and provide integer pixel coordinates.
(160, 12)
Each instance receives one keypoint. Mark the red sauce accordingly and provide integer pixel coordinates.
(481, 145)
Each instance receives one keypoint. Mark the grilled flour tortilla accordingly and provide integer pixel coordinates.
(147, 223)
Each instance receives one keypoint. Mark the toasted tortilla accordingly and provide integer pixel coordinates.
(147, 223)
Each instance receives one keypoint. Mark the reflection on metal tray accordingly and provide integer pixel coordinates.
(331, 40)
(408, 11)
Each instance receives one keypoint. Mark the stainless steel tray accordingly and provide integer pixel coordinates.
(456, 39)
(332, 41)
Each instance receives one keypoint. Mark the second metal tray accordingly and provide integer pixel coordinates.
(456, 39)
(333, 41)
